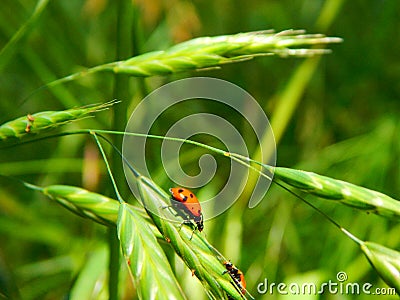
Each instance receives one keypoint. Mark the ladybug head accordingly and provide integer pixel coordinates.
(228, 265)
(200, 226)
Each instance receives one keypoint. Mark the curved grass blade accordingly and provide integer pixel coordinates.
(206, 52)
(13, 44)
(146, 260)
(42, 121)
(338, 190)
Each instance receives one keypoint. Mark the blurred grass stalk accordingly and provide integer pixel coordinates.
(121, 92)
(33, 59)
(13, 45)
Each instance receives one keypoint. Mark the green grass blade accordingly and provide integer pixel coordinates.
(13, 44)
(206, 52)
(386, 262)
(338, 190)
(8, 284)
(39, 122)
(146, 260)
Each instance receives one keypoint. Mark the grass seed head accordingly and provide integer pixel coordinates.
(385, 261)
(40, 122)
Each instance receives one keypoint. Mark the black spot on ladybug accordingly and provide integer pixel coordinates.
(191, 196)
(180, 190)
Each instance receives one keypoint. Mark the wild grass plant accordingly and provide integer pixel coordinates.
(49, 142)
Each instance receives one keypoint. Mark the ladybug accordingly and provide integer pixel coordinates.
(187, 205)
(236, 275)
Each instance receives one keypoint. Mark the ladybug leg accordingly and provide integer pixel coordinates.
(239, 290)
(175, 214)
(188, 222)
(167, 207)
(192, 233)
(180, 226)
(183, 223)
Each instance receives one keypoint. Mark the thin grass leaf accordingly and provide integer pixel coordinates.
(13, 44)
(43, 121)
(201, 258)
(146, 260)
(338, 190)
(206, 52)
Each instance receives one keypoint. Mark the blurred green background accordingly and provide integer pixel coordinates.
(345, 124)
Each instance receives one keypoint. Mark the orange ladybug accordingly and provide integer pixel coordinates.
(187, 205)
(236, 275)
